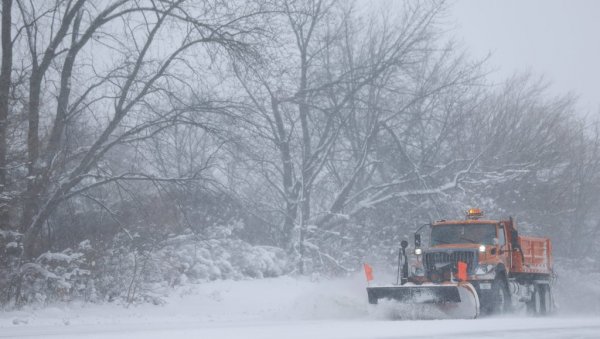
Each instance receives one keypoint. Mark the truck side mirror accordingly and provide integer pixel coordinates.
(402, 254)
(515, 239)
(417, 240)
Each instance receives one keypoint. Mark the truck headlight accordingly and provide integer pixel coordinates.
(482, 248)
(484, 269)
(418, 251)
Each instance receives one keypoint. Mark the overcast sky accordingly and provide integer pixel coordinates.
(557, 38)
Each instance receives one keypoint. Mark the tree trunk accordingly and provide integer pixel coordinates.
(5, 82)
(32, 192)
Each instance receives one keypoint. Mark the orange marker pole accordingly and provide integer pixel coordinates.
(368, 272)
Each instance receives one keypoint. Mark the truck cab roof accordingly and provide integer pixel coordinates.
(465, 221)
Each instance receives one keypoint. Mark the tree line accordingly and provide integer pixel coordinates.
(325, 128)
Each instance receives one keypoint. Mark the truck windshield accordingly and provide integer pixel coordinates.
(463, 234)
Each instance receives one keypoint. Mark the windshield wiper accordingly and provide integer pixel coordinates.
(442, 241)
(469, 240)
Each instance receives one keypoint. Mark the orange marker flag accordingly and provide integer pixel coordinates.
(368, 271)
(462, 271)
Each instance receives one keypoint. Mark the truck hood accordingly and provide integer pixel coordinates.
(465, 246)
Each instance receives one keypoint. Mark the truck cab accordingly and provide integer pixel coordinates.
(480, 243)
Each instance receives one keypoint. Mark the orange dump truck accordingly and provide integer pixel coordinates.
(474, 265)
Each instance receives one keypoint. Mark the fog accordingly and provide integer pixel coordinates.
(148, 147)
(550, 38)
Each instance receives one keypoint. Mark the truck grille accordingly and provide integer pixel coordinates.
(450, 257)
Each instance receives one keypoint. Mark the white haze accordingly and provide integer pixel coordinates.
(217, 193)
(556, 38)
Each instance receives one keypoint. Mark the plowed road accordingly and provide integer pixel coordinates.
(513, 328)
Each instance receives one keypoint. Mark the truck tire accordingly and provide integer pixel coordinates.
(534, 306)
(500, 301)
(547, 302)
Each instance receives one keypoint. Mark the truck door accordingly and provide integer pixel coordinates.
(504, 247)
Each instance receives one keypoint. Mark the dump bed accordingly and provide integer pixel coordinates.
(537, 255)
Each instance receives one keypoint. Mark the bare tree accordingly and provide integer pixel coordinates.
(56, 170)
(317, 100)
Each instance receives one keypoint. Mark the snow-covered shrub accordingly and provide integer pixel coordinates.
(10, 250)
(119, 269)
(219, 257)
(134, 274)
(135, 268)
(57, 276)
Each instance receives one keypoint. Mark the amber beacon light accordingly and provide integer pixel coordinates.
(474, 213)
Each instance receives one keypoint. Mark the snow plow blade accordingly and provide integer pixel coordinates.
(415, 294)
(449, 300)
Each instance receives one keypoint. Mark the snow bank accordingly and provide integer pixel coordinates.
(283, 298)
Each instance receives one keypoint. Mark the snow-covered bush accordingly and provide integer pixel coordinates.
(145, 274)
(134, 269)
(10, 251)
(57, 276)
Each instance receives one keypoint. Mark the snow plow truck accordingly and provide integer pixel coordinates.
(472, 266)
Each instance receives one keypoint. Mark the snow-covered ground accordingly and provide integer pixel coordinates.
(271, 308)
